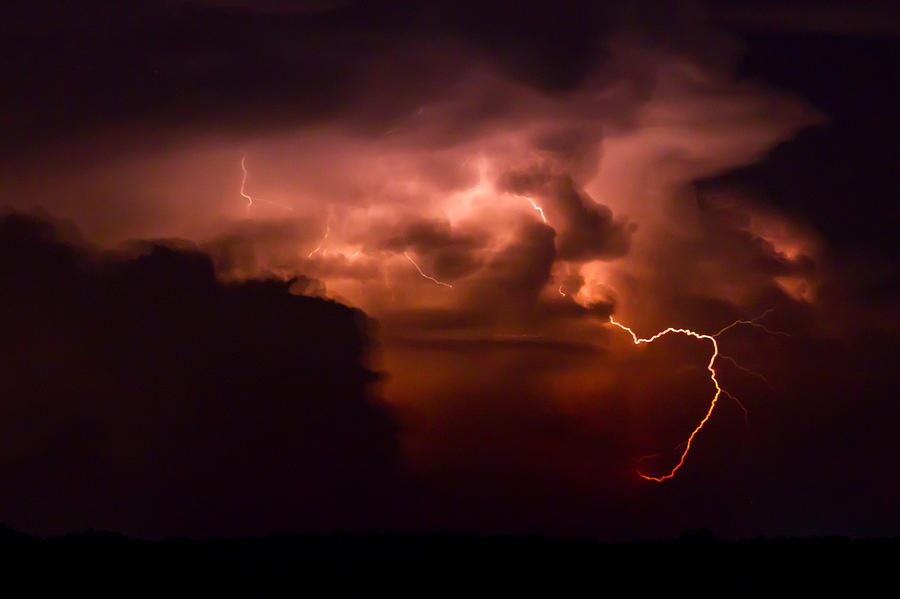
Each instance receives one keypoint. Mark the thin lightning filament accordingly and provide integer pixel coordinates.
(247, 196)
(536, 207)
(244, 181)
(430, 278)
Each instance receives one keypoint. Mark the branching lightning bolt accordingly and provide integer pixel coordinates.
(712, 375)
(413, 262)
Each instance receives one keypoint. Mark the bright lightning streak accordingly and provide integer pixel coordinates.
(250, 198)
(536, 207)
(754, 322)
(413, 262)
(744, 368)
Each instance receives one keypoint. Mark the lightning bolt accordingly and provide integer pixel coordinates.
(536, 207)
(423, 274)
(712, 374)
(250, 198)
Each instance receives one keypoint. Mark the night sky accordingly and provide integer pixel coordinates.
(321, 265)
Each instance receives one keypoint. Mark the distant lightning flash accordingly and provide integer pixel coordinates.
(250, 199)
(712, 375)
(321, 243)
(423, 274)
(244, 181)
(739, 403)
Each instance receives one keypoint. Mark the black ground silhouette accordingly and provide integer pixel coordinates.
(427, 563)
(140, 394)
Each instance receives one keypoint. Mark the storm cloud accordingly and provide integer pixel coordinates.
(458, 196)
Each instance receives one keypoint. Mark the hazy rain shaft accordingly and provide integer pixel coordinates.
(489, 201)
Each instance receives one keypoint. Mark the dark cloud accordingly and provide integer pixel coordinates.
(523, 342)
(578, 149)
(142, 395)
(868, 17)
(565, 306)
(251, 248)
(163, 68)
(572, 284)
(272, 6)
(427, 235)
(151, 73)
(451, 253)
(587, 230)
(512, 280)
